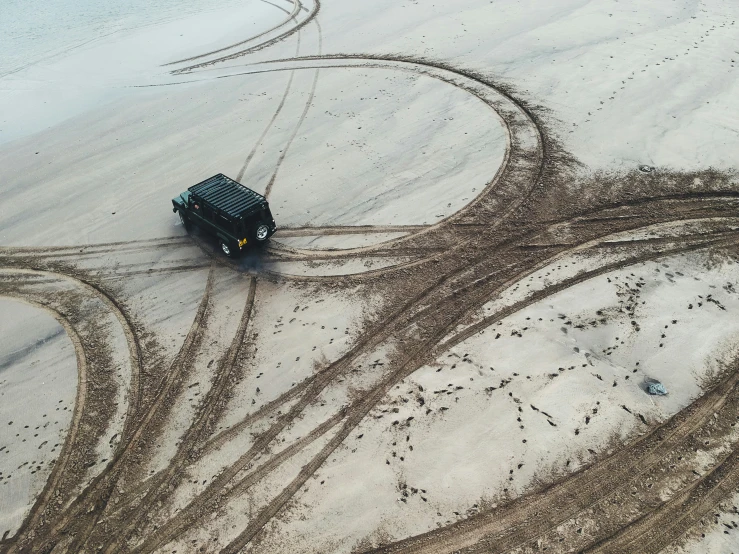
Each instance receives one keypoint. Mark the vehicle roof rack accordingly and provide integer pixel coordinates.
(228, 196)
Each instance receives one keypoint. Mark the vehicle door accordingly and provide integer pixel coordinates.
(195, 206)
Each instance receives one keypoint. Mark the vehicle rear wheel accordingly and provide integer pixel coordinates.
(227, 249)
(185, 221)
(261, 232)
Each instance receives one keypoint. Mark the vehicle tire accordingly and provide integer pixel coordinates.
(260, 233)
(228, 249)
(185, 221)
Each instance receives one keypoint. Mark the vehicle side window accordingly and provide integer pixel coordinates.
(207, 212)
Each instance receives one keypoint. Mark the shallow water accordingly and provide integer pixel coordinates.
(35, 30)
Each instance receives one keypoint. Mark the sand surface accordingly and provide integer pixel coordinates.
(39, 381)
(497, 221)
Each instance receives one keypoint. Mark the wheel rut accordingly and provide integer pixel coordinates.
(521, 222)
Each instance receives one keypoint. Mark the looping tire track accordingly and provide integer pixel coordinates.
(356, 414)
(522, 167)
(490, 532)
(134, 428)
(136, 367)
(515, 179)
(309, 18)
(291, 16)
(273, 508)
(193, 435)
(401, 313)
(186, 518)
(60, 466)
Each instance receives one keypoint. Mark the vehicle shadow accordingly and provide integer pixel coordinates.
(251, 260)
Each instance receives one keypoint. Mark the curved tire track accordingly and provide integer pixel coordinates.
(219, 486)
(102, 485)
(517, 176)
(357, 413)
(310, 17)
(42, 503)
(291, 16)
(60, 466)
(193, 436)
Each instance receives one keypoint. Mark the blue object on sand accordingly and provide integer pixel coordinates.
(657, 389)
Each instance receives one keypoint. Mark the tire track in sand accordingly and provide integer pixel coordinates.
(521, 170)
(356, 413)
(310, 17)
(101, 488)
(266, 130)
(660, 528)
(193, 436)
(218, 487)
(308, 104)
(60, 466)
(134, 348)
(291, 16)
(518, 169)
(525, 519)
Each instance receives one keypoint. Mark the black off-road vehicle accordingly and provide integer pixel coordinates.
(235, 214)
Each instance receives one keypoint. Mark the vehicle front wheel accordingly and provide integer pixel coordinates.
(227, 249)
(185, 221)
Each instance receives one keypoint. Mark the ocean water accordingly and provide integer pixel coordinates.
(35, 30)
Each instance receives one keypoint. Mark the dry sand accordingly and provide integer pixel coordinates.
(496, 221)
